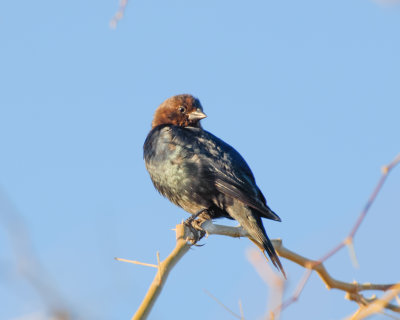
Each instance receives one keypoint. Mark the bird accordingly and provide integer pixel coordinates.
(199, 172)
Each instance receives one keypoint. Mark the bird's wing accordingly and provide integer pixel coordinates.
(237, 189)
(233, 177)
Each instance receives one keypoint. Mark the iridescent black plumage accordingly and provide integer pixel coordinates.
(196, 170)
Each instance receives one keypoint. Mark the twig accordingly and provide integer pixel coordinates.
(137, 262)
(241, 310)
(222, 305)
(299, 289)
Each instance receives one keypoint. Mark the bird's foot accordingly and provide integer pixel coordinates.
(194, 224)
(195, 215)
(196, 234)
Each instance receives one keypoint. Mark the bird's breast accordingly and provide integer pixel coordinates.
(176, 170)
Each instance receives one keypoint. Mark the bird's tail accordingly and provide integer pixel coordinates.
(266, 246)
(252, 223)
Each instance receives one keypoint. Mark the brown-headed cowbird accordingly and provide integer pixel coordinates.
(199, 172)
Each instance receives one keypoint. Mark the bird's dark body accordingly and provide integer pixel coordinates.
(181, 165)
(198, 171)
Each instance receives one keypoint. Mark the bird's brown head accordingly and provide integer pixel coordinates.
(182, 110)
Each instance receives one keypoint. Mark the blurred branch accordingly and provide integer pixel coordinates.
(241, 317)
(119, 14)
(27, 263)
(271, 278)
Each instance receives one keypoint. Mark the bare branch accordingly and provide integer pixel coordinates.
(377, 304)
(184, 234)
(315, 265)
(164, 268)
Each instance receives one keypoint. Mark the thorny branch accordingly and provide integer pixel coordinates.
(348, 240)
(353, 290)
(182, 246)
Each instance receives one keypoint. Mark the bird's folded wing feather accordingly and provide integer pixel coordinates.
(236, 190)
(233, 177)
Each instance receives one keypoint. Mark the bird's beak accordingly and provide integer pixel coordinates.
(197, 115)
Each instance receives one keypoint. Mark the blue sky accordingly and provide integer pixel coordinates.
(306, 91)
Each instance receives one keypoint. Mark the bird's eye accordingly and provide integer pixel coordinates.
(182, 109)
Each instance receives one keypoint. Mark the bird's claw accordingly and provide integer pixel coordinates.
(196, 232)
(195, 215)
(195, 228)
